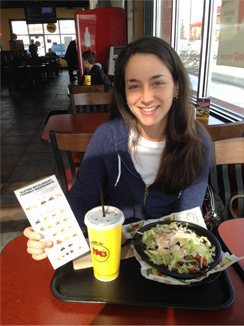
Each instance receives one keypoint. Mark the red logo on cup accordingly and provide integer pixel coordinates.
(100, 253)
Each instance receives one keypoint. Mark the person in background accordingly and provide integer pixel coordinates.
(53, 61)
(33, 50)
(50, 53)
(71, 57)
(153, 156)
(25, 58)
(26, 55)
(98, 76)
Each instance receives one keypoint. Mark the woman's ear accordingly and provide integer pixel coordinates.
(176, 90)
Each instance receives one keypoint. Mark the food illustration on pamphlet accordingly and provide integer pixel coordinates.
(49, 213)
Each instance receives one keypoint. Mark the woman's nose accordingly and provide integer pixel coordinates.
(147, 95)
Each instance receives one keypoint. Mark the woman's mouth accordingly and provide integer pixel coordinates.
(149, 109)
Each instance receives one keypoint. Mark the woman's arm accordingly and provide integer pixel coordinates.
(193, 196)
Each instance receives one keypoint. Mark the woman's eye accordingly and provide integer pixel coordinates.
(133, 87)
(158, 83)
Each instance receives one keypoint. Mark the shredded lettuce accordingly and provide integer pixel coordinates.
(189, 255)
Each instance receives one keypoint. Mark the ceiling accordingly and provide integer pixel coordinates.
(64, 3)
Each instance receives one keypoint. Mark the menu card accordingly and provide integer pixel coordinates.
(49, 213)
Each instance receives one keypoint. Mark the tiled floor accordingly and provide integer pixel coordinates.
(24, 158)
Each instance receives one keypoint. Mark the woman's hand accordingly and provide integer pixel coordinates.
(35, 247)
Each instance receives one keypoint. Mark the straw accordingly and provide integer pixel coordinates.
(102, 197)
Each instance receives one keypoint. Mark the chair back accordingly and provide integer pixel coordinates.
(77, 89)
(226, 130)
(92, 102)
(80, 89)
(67, 147)
(226, 175)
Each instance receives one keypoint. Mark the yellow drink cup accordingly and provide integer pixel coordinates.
(105, 235)
(87, 80)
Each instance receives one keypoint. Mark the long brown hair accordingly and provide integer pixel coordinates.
(182, 157)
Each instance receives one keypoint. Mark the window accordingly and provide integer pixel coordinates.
(199, 33)
(35, 28)
(19, 27)
(188, 40)
(57, 38)
(226, 82)
(164, 20)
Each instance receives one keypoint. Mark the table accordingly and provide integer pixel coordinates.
(26, 299)
(84, 122)
(27, 76)
(234, 240)
(211, 121)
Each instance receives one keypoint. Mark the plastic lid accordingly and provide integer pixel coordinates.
(113, 218)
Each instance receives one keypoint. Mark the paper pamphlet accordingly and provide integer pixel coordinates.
(49, 213)
(193, 215)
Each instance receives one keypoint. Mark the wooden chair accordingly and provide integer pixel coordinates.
(65, 145)
(77, 89)
(226, 175)
(80, 89)
(225, 131)
(92, 102)
(17, 77)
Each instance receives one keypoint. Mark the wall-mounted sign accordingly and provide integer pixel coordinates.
(51, 28)
(231, 40)
(37, 43)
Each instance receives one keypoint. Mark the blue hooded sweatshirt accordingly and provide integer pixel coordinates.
(107, 158)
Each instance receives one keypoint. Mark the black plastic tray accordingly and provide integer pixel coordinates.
(131, 288)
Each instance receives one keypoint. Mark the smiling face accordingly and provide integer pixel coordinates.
(150, 89)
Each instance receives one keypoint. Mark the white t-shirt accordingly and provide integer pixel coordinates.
(146, 156)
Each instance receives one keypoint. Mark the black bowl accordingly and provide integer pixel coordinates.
(200, 231)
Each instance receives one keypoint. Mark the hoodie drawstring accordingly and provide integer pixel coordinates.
(119, 170)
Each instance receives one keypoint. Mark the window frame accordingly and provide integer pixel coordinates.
(225, 114)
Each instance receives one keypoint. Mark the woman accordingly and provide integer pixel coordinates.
(152, 156)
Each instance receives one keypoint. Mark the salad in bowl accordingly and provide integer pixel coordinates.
(178, 249)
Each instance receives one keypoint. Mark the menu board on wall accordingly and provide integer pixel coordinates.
(231, 35)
